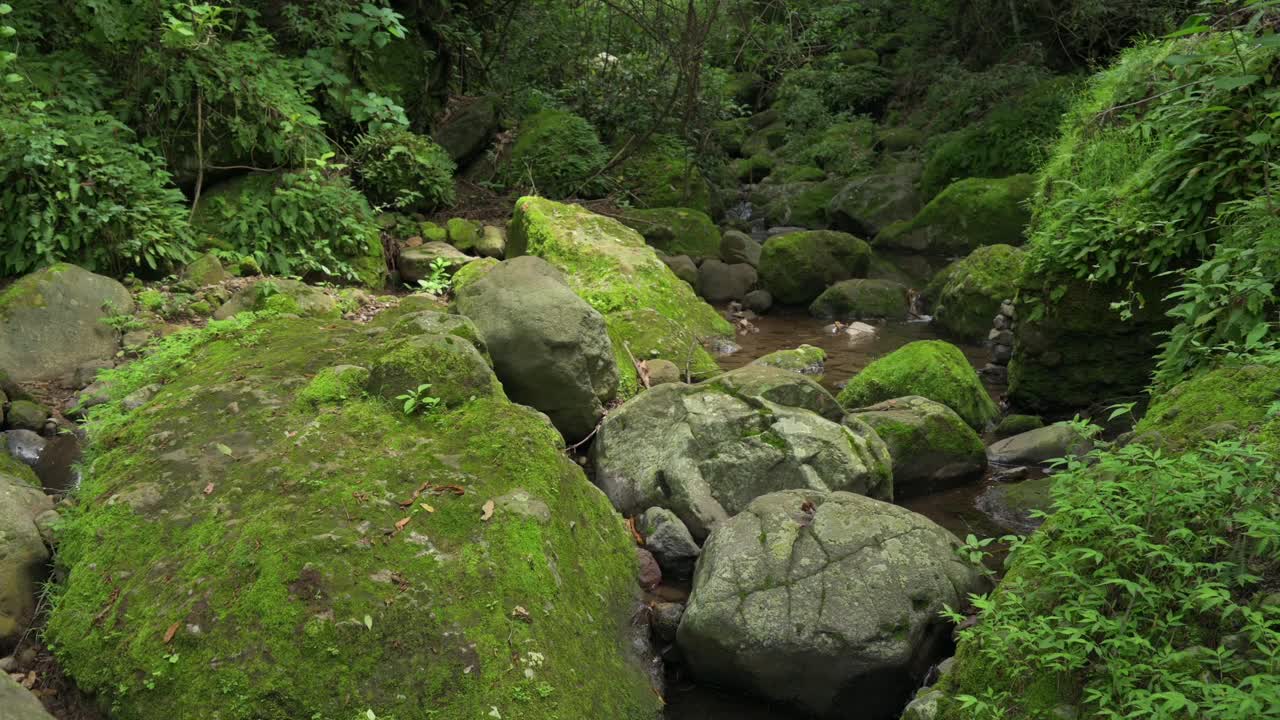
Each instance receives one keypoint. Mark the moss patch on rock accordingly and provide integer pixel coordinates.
(675, 231)
(1226, 403)
(665, 175)
(966, 295)
(968, 214)
(644, 334)
(861, 299)
(265, 561)
(933, 369)
(797, 267)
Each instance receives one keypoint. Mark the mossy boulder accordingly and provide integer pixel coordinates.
(608, 264)
(720, 282)
(275, 562)
(779, 386)
(416, 263)
(1011, 425)
(824, 601)
(451, 365)
(1234, 401)
(865, 205)
(739, 247)
(932, 447)
(19, 701)
(705, 452)
(797, 267)
(549, 347)
(558, 153)
(675, 231)
(664, 175)
(897, 139)
(800, 203)
(806, 360)
(492, 242)
(966, 215)
(966, 295)
(279, 295)
(205, 270)
(24, 509)
(1016, 507)
(684, 267)
(862, 299)
(53, 321)
(471, 272)
(431, 322)
(468, 129)
(932, 369)
(744, 87)
(25, 415)
(645, 335)
(464, 234)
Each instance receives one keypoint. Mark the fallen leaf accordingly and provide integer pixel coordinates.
(402, 522)
(427, 507)
(368, 621)
(449, 488)
(519, 613)
(208, 489)
(223, 449)
(414, 497)
(173, 630)
(111, 602)
(487, 511)
(631, 525)
(30, 680)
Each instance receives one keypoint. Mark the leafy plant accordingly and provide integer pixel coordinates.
(557, 154)
(419, 400)
(439, 281)
(405, 170)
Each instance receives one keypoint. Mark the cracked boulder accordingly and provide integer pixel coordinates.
(706, 451)
(827, 602)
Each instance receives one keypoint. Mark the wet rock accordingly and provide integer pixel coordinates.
(1011, 425)
(649, 573)
(932, 447)
(865, 205)
(52, 322)
(550, 348)
(1040, 446)
(22, 550)
(758, 301)
(26, 415)
(862, 299)
(824, 601)
(723, 346)
(415, 263)
(929, 368)
(1011, 505)
(797, 267)
(706, 451)
(25, 446)
(18, 702)
(718, 282)
(806, 360)
(684, 268)
(666, 620)
(670, 542)
(739, 247)
(662, 372)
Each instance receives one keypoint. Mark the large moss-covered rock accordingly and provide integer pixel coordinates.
(279, 295)
(608, 264)
(797, 267)
(861, 299)
(431, 322)
(418, 263)
(970, 213)
(675, 231)
(865, 205)
(550, 348)
(24, 508)
(720, 282)
(932, 447)
(739, 247)
(53, 321)
(929, 368)
(824, 601)
(705, 452)
(239, 552)
(967, 294)
(1229, 402)
(806, 360)
(1071, 347)
(452, 366)
(644, 335)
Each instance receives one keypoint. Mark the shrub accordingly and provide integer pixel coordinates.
(75, 187)
(961, 97)
(663, 175)
(296, 223)
(405, 170)
(558, 154)
(1142, 597)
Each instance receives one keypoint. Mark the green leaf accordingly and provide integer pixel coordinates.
(1235, 82)
(368, 621)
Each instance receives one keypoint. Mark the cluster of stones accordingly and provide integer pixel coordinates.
(1000, 342)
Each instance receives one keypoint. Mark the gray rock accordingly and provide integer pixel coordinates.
(523, 503)
(780, 386)
(430, 322)
(88, 372)
(96, 394)
(806, 360)
(669, 541)
(25, 446)
(861, 299)
(492, 242)
(1040, 446)
(925, 706)
(758, 301)
(22, 554)
(549, 347)
(706, 451)
(52, 322)
(684, 268)
(1012, 506)
(454, 368)
(415, 263)
(205, 270)
(739, 247)
(467, 131)
(141, 396)
(26, 415)
(867, 204)
(718, 282)
(18, 702)
(782, 230)
(824, 601)
(666, 620)
(298, 297)
(932, 447)
(662, 372)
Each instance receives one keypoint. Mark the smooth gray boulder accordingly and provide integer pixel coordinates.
(720, 282)
(54, 320)
(706, 451)
(739, 247)
(25, 446)
(24, 509)
(758, 301)
(18, 703)
(684, 267)
(827, 602)
(780, 385)
(550, 348)
(669, 541)
(932, 447)
(1040, 446)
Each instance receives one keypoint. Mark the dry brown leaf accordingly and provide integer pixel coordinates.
(173, 630)
(208, 489)
(402, 522)
(519, 613)
(487, 511)
(631, 525)
(30, 681)
(426, 507)
(450, 488)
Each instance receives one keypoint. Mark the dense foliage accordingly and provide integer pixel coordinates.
(401, 169)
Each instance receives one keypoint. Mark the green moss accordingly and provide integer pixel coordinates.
(463, 234)
(797, 267)
(608, 264)
(1012, 425)
(333, 386)
(900, 138)
(11, 467)
(802, 204)
(152, 300)
(862, 299)
(472, 272)
(1228, 402)
(675, 231)
(968, 214)
(452, 365)
(664, 175)
(930, 368)
(279, 560)
(965, 296)
(804, 359)
(752, 169)
(558, 154)
(646, 335)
